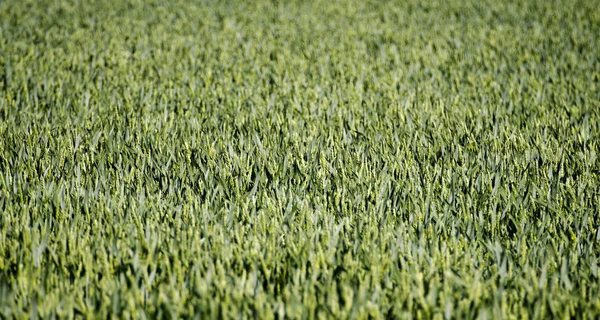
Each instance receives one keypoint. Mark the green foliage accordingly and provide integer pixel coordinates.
(349, 159)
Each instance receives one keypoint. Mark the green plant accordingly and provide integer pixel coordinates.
(318, 159)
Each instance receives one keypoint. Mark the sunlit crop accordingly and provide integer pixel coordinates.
(300, 159)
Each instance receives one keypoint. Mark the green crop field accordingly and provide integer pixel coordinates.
(300, 159)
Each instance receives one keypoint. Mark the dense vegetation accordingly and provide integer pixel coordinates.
(434, 159)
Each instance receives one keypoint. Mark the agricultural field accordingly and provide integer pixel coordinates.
(300, 159)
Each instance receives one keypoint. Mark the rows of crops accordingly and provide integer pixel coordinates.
(299, 159)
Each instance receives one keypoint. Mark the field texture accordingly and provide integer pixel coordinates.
(356, 159)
